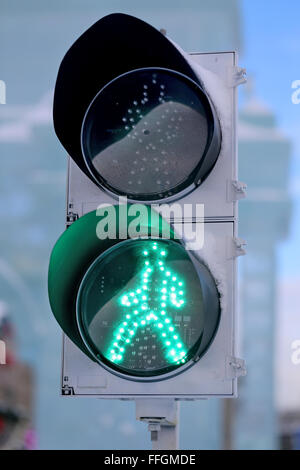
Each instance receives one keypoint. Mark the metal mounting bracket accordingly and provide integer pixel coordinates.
(236, 190)
(236, 247)
(235, 368)
(162, 417)
(236, 76)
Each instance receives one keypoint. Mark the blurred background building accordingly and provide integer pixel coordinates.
(34, 37)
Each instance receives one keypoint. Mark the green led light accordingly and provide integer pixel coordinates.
(150, 273)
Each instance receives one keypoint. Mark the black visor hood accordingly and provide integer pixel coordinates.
(114, 45)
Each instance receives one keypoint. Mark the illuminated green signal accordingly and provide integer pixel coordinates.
(149, 304)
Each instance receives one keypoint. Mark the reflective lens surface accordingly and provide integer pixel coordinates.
(140, 308)
(146, 132)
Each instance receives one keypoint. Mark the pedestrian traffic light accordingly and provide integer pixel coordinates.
(148, 307)
(122, 301)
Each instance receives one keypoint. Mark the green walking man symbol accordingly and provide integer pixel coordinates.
(148, 305)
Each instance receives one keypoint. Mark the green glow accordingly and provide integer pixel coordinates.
(150, 314)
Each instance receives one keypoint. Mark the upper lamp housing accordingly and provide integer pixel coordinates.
(141, 126)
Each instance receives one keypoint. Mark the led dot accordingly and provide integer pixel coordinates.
(160, 263)
(147, 263)
(180, 283)
(145, 253)
(168, 343)
(175, 337)
(119, 357)
(122, 330)
(149, 270)
(167, 320)
(122, 349)
(162, 268)
(168, 273)
(160, 325)
(174, 278)
(124, 323)
(143, 322)
(127, 340)
(135, 324)
(131, 332)
(163, 253)
(136, 312)
(163, 312)
(112, 351)
(118, 337)
(164, 282)
(164, 335)
(135, 301)
(171, 328)
(163, 304)
(179, 345)
(128, 316)
(180, 292)
(164, 290)
(163, 297)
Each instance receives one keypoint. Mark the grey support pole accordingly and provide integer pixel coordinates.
(162, 417)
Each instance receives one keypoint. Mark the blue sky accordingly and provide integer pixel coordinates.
(272, 55)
